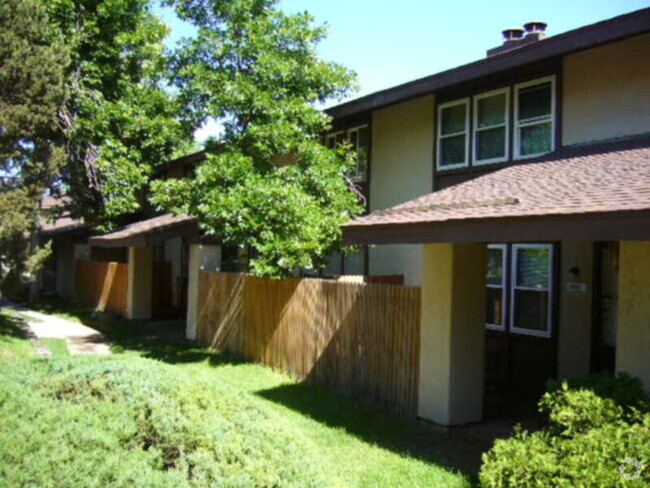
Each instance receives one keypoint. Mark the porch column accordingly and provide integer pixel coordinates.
(633, 334)
(452, 333)
(202, 258)
(140, 278)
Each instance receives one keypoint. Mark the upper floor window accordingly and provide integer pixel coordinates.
(534, 116)
(491, 126)
(358, 138)
(487, 129)
(453, 131)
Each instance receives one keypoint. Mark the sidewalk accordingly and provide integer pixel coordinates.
(80, 338)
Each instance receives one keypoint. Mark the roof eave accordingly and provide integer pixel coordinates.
(629, 225)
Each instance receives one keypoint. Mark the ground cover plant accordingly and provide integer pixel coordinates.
(165, 412)
(599, 435)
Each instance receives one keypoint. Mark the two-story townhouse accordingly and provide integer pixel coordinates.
(515, 191)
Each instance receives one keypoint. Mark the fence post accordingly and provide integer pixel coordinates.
(202, 258)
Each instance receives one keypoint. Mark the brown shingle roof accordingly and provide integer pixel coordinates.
(145, 232)
(605, 177)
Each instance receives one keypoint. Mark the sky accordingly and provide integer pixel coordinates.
(389, 43)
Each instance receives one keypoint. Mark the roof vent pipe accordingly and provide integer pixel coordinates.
(513, 33)
(535, 27)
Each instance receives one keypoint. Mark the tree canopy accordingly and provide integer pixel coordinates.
(32, 91)
(270, 183)
(121, 121)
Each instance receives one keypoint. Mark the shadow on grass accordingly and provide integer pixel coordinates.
(366, 422)
(373, 425)
(163, 341)
(12, 327)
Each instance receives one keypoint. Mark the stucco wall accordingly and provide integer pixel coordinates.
(574, 337)
(402, 169)
(606, 92)
(633, 336)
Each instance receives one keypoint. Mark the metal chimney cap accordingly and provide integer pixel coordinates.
(535, 26)
(513, 33)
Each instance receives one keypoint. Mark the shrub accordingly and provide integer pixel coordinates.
(599, 436)
(129, 421)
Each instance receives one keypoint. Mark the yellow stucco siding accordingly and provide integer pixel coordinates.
(451, 333)
(402, 169)
(633, 336)
(605, 91)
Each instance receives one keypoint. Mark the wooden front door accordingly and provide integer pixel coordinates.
(520, 352)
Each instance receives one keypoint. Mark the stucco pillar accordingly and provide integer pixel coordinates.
(633, 335)
(140, 278)
(202, 258)
(452, 333)
(574, 340)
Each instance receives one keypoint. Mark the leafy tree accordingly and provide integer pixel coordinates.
(120, 121)
(271, 184)
(32, 90)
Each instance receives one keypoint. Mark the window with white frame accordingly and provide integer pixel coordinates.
(359, 140)
(491, 126)
(496, 287)
(453, 132)
(531, 122)
(527, 297)
(534, 117)
(531, 289)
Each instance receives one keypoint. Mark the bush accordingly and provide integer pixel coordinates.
(599, 436)
(134, 422)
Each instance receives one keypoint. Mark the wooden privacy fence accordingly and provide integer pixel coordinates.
(359, 339)
(101, 285)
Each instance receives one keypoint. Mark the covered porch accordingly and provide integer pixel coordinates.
(158, 258)
(536, 271)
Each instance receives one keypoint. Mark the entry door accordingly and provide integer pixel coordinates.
(520, 348)
(606, 319)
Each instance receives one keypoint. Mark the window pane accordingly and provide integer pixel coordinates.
(330, 142)
(535, 139)
(531, 310)
(533, 267)
(362, 153)
(494, 312)
(535, 101)
(452, 150)
(491, 110)
(453, 119)
(491, 143)
(495, 266)
(354, 263)
(340, 138)
(353, 137)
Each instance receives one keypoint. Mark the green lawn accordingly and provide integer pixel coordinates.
(305, 432)
(14, 344)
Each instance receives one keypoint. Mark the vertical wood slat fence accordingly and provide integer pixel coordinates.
(358, 339)
(102, 285)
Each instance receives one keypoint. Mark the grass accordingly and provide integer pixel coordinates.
(14, 343)
(58, 347)
(353, 444)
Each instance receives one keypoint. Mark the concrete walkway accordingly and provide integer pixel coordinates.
(81, 339)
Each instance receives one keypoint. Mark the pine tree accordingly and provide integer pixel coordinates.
(32, 90)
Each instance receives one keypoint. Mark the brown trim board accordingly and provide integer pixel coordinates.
(606, 226)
